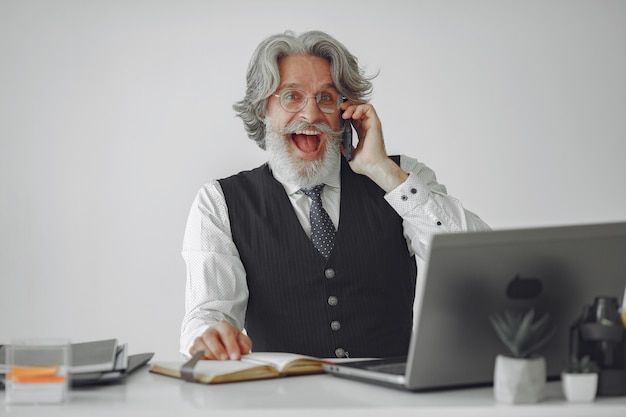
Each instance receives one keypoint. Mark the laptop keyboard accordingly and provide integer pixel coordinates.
(390, 368)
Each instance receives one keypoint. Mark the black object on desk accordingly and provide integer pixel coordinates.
(600, 335)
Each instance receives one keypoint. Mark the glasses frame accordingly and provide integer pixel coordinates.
(317, 97)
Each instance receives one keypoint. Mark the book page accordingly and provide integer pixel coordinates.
(93, 356)
(285, 362)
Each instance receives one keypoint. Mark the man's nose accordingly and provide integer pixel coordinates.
(311, 111)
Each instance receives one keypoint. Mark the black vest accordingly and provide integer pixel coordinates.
(359, 301)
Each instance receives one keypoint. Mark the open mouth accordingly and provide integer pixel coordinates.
(308, 141)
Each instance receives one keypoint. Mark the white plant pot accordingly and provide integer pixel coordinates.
(519, 381)
(580, 388)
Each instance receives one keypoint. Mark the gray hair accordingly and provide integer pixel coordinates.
(263, 78)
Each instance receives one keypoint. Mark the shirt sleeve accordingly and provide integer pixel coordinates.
(427, 209)
(216, 286)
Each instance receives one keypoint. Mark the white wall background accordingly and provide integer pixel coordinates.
(113, 114)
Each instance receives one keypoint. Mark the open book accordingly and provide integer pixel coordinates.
(256, 365)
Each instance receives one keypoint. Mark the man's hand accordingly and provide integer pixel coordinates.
(222, 341)
(370, 156)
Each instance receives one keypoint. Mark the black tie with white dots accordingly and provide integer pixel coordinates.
(322, 228)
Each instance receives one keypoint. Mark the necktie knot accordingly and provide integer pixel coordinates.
(322, 228)
(314, 192)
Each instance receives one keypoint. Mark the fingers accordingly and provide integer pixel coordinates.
(364, 118)
(222, 341)
(358, 111)
(245, 343)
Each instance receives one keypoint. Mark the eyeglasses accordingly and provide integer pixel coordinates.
(294, 100)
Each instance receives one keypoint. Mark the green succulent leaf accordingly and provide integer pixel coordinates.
(520, 333)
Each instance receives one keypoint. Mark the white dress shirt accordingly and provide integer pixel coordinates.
(216, 280)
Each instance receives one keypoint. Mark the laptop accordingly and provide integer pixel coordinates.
(469, 276)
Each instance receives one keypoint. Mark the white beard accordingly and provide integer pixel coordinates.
(294, 170)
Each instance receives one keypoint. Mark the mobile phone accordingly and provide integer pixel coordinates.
(346, 138)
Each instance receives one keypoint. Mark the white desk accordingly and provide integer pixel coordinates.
(145, 394)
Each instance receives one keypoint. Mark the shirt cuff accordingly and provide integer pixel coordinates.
(411, 193)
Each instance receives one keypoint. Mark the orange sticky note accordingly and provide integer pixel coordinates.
(20, 372)
(37, 379)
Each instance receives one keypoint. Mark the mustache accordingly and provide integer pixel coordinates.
(299, 125)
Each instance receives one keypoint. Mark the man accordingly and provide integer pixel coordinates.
(264, 256)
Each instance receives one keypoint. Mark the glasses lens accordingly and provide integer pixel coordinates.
(328, 101)
(293, 100)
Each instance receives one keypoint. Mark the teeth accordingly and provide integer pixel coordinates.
(310, 132)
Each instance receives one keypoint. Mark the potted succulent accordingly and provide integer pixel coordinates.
(580, 380)
(520, 377)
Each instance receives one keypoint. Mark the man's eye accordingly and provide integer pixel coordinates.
(326, 97)
(293, 96)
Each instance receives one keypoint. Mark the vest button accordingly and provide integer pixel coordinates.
(329, 273)
(335, 325)
(340, 353)
(332, 300)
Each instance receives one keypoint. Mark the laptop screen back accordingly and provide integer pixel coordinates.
(555, 270)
